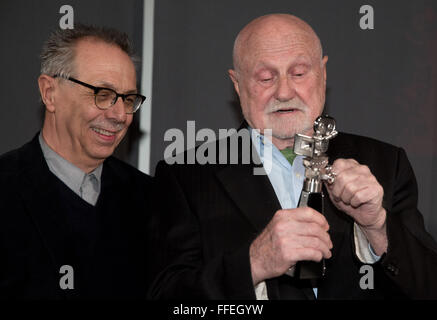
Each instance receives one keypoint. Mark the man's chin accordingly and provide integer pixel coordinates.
(286, 134)
(100, 153)
(289, 130)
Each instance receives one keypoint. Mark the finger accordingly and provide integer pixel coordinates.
(303, 214)
(309, 254)
(341, 182)
(317, 244)
(352, 188)
(367, 195)
(351, 179)
(364, 179)
(340, 165)
(309, 215)
(312, 230)
(340, 205)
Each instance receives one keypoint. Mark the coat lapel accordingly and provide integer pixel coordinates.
(253, 194)
(40, 197)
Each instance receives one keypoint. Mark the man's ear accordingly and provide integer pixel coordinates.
(324, 62)
(46, 86)
(233, 76)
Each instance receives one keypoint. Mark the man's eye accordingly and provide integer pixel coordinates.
(266, 80)
(299, 72)
(105, 94)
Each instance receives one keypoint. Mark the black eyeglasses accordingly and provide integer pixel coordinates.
(105, 98)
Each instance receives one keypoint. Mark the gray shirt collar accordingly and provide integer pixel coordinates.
(71, 175)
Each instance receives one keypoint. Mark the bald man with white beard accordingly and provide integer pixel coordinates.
(230, 234)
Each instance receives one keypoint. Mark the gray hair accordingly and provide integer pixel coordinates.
(57, 55)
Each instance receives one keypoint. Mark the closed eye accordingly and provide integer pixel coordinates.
(300, 70)
(299, 74)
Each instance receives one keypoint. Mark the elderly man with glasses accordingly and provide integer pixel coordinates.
(74, 219)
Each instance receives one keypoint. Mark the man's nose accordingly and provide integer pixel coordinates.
(285, 90)
(117, 111)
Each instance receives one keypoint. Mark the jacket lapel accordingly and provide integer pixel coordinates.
(39, 196)
(253, 194)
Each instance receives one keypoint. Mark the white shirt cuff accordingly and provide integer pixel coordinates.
(261, 291)
(363, 249)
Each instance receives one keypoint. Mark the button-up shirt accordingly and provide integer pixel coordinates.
(85, 185)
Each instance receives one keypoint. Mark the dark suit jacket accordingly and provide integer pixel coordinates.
(34, 233)
(214, 212)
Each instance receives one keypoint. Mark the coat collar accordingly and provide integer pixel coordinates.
(253, 194)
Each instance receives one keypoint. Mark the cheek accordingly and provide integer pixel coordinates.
(130, 118)
(254, 99)
(312, 94)
(88, 119)
(258, 97)
(75, 119)
(128, 123)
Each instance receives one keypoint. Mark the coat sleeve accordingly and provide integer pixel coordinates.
(411, 259)
(184, 274)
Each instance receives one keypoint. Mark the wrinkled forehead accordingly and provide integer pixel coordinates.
(259, 46)
(93, 56)
(276, 33)
(275, 41)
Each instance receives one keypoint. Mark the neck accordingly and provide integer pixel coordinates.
(66, 151)
(283, 143)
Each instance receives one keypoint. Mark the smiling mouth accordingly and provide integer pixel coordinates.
(104, 132)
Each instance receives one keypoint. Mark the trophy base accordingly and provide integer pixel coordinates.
(307, 270)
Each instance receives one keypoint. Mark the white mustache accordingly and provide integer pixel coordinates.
(108, 125)
(295, 104)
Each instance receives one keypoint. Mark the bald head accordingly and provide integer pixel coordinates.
(280, 76)
(261, 32)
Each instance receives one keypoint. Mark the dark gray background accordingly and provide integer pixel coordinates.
(381, 83)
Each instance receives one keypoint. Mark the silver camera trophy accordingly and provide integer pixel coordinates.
(317, 170)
